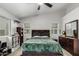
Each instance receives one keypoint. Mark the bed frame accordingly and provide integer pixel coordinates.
(33, 53)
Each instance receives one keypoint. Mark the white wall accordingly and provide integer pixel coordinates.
(73, 15)
(44, 21)
(71, 7)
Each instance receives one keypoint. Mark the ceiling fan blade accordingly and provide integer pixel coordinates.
(48, 4)
(39, 7)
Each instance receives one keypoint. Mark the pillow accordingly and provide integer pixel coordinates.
(44, 36)
(40, 37)
(36, 36)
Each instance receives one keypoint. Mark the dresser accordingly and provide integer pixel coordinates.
(70, 44)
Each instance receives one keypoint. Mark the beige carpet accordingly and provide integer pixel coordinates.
(18, 52)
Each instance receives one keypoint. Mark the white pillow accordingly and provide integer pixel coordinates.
(36, 36)
(44, 36)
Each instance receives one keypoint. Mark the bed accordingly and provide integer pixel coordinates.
(41, 45)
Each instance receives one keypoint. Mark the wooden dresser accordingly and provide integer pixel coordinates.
(70, 44)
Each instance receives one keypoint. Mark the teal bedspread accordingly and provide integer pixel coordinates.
(40, 45)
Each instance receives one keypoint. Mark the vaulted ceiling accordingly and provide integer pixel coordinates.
(21, 10)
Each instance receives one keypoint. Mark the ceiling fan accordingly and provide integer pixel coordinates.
(47, 4)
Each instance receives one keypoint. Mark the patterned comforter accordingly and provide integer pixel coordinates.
(42, 45)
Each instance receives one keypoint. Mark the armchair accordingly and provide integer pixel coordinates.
(3, 48)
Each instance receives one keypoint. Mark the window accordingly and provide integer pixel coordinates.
(54, 28)
(26, 28)
(4, 26)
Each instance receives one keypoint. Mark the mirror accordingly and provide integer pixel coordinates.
(72, 29)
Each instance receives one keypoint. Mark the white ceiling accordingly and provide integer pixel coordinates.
(21, 10)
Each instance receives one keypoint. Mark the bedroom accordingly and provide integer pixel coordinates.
(37, 29)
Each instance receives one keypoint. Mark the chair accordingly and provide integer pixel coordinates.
(0, 43)
(0, 46)
(3, 48)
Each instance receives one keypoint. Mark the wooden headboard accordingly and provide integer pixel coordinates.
(41, 33)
